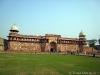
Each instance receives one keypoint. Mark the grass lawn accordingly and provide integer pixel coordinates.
(48, 64)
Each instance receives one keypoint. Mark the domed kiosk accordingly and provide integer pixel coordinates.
(81, 34)
(14, 29)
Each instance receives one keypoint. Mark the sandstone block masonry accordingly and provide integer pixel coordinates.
(47, 43)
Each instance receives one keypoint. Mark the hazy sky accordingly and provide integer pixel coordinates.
(40, 17)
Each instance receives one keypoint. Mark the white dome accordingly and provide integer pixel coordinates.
(14, 27)
(81, 33)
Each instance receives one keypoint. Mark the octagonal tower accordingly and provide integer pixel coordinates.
(12, 35)
(82, 41)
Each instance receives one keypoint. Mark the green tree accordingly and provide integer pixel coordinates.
(95, 47)
(99, 41)
(92, 43)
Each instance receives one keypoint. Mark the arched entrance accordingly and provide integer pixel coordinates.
(53, 47)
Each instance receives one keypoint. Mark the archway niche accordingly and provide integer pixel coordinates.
(53, 47)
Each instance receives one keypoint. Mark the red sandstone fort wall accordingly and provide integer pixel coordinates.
(24, 46)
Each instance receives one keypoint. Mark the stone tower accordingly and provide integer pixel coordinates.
(82, 41)
(12, 35)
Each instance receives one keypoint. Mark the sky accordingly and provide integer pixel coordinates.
(39, 17)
